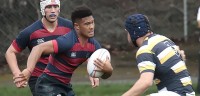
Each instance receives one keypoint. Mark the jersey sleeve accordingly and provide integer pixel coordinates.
(145, 60)
(97, 45)
(21, 42)
(61, 44)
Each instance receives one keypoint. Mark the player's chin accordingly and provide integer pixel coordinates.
(91, 35)
(52, 19)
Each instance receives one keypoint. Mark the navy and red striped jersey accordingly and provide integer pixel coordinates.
(36, 34)
(68, 55)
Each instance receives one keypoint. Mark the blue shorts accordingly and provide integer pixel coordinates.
(49, 86)
(31, 82)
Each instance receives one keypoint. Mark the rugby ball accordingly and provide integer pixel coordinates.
(102, 54)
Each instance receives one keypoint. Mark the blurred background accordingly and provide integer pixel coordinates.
(175, 19)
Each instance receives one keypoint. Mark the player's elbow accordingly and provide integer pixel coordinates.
(147, 78)
(37, 49)
(9, 52)
(148, 83)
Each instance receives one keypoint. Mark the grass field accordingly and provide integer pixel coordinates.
(80, 90)
(105, 89)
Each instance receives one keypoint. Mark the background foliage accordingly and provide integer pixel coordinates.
(166, 18)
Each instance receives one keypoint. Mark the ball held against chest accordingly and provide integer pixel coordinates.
(102, 54)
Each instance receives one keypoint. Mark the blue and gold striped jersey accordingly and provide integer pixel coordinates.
(159, 55)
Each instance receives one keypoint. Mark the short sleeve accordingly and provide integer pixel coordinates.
(22, 40)
(145, 62)
(62, 44)
(97, 45)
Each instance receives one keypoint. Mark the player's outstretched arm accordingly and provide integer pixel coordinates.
(37, 51)
(11, 59)
(141, 85)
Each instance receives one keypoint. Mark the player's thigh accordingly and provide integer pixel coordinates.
(46, 89)
(49, 87)
(32, 82)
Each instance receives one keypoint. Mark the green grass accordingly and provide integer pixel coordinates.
(13, 91)
(105, 89)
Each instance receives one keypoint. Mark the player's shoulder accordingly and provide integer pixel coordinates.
(65, 22)
(33, 27)
(71, 35)
(94, 42)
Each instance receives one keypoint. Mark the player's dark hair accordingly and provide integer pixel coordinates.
(80, 12)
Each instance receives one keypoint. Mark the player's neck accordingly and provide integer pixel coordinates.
(140, 40)
(82, 39)
(50, 26)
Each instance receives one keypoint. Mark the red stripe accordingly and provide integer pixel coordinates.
(73, 61)
(60, 66)
(60, 78)
(37, 72)
(44, 60)
(55, 46)
(17, 48)
(44, 33)
(88, 47)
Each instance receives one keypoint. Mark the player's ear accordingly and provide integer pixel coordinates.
(76, 26)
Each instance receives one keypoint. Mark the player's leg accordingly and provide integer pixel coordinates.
(43, 87)
(66, 88)
(32, 81)
(49, 86)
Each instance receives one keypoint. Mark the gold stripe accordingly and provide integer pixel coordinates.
(187, 83)
(169, 55)
(151, 44)
(143, 51)
(156, 41)
(148, 67)
(180, 69)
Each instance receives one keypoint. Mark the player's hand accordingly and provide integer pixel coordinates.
(20, 80)
(94, 82)
(27, 73)
(182, 53)
(105, 67)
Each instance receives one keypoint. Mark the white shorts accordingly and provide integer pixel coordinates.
(170, 93)
(165, 93)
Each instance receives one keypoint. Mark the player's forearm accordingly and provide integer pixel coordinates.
(107, 74)
(37, 51)
(34, 57)
(12, 62)
(138, 88)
